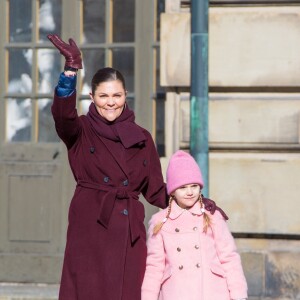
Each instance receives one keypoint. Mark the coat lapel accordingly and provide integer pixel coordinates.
(117, 151)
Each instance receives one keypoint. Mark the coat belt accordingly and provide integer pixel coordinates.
(107, 205)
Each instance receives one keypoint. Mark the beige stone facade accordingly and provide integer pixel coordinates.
(254, 128)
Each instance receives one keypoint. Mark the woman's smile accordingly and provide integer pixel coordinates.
(109, 98)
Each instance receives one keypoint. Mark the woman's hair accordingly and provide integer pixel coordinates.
(206, 218)
(104, 75)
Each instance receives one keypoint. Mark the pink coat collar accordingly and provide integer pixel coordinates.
(177, 211)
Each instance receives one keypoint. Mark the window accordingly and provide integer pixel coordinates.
(106, 33)
(160, 94)
(108, 40)
(31, 69)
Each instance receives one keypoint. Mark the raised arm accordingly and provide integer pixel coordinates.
(64, 111)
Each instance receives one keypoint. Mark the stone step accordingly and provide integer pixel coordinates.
(27, 291)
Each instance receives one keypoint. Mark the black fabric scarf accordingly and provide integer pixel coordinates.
(123, 129)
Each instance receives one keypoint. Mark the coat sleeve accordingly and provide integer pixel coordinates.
(155, 264)
(67, 123)
(229, 258)
(155, 191)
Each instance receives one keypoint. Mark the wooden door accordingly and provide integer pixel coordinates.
(32, 159)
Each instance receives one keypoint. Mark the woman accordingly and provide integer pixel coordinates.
(113, 161)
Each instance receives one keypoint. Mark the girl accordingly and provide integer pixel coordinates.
(191, 255)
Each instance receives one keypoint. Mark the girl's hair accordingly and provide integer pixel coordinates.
(159, 225)
(104, 75)
(206, 218)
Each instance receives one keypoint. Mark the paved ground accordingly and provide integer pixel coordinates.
(17, 291)
(13, 291)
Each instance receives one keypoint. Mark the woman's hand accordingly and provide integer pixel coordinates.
(211, 206)
(70, 51)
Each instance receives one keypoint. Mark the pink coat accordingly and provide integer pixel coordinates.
(184, 263)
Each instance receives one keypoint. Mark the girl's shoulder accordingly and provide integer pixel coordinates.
(158, 217)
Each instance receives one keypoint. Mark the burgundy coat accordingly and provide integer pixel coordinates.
(105, 253)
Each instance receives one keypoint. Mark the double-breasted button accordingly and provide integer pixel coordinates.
(197, 247)
(106, 179)
(124, 212)
(195, 228)
(178, 249)
(145, 162)
(92, 149)
(198, 265)
(177, 229)
(180, 267)
(125, 182)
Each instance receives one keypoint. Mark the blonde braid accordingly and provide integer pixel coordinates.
(206, 218)
(159, 225)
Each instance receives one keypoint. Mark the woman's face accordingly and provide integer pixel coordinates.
(109, 98)
(187, 195)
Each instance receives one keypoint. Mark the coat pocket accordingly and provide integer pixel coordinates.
(217, 270)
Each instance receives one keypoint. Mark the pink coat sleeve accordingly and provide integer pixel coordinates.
(155, 264)
(229, 258)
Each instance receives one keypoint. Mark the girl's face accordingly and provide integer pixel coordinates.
(109, 98)
(187, 195)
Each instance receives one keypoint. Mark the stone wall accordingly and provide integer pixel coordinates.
(254, 130)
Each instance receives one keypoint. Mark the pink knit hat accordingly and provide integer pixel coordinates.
(182, 169)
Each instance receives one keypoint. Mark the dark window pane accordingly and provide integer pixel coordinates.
(123, 60)
(123, 20)
(46, 130)
(93, 21)
(159, 88)
(19, 120)
(160, 9)
(84, 106)
(160, 124)
(49, 18)
(130, 102)
(160, 109)
(48, 62)
(19, 73)
(93, 60)
(20, 25)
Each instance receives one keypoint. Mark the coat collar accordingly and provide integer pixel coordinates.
(177, 211)
(121, 156)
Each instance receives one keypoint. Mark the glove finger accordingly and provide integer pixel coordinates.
(72, 43)
(50, 36)
(57, 42)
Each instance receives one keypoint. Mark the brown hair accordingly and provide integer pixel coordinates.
(104, 75)
(206, 218)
